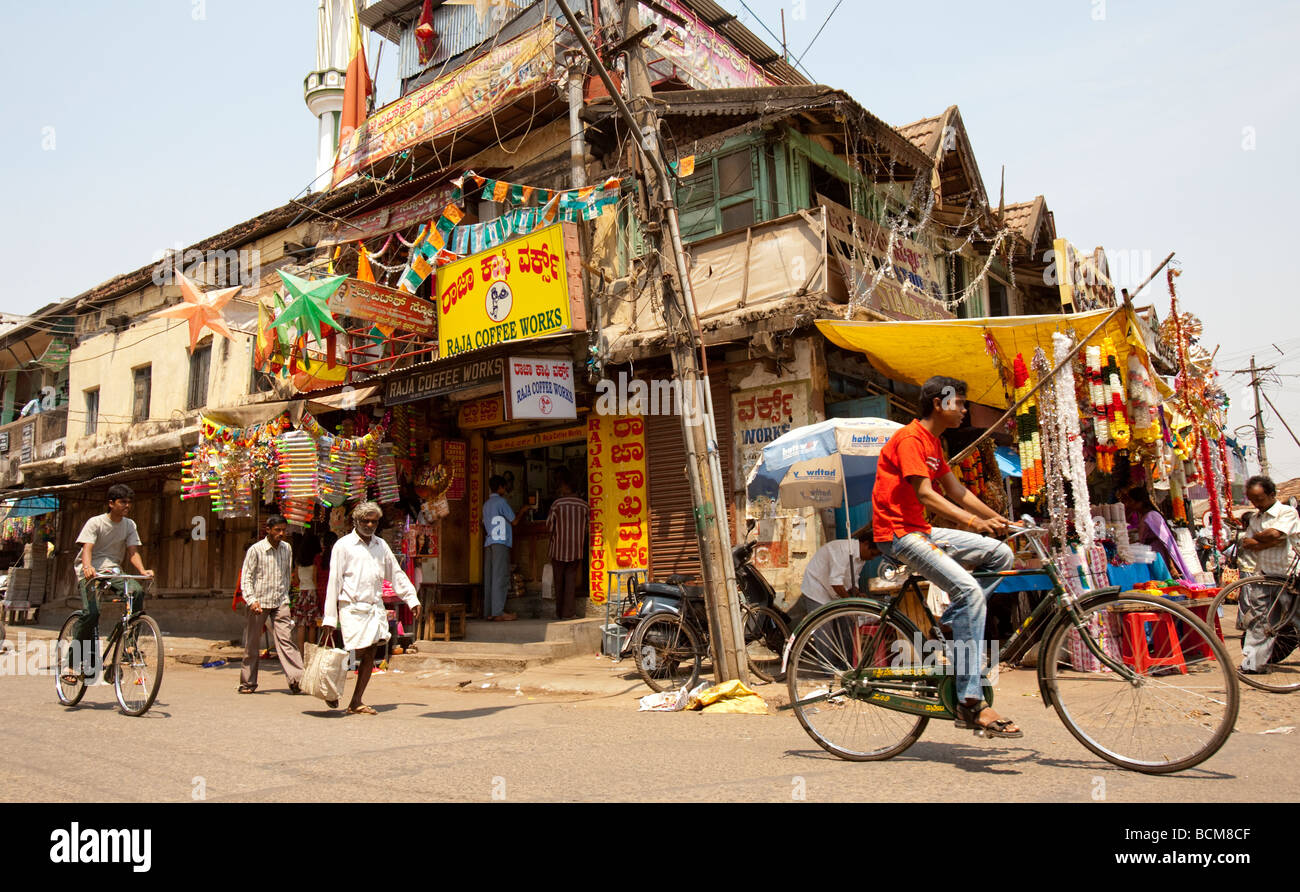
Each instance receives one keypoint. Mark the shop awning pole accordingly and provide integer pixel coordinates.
(1126, 305)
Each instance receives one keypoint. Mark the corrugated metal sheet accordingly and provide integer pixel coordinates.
(459, 28)
(673, 546)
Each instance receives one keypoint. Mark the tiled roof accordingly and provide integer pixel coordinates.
(924, 134)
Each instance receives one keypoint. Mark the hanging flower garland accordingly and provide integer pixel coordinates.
(1207, 476)
(999, 364)
(1143, 400)
(1116, 415)
(1099, 409)
(1227, 470)
(1070, 441)
(1049, 408)
(1027, 433)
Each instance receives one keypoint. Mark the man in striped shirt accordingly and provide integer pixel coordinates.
(567, 524)
(267, 580)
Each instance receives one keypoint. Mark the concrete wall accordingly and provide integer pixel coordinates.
(105, 358)
(803, 529)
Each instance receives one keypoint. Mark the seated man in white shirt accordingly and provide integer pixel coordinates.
(833, 572)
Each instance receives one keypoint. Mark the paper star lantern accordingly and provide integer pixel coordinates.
(307, 308)
(201, 310)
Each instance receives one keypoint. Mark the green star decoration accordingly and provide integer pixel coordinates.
(307, 304)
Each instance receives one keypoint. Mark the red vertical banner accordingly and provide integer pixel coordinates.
(618, 498)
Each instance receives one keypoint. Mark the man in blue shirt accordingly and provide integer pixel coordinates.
(499, 521)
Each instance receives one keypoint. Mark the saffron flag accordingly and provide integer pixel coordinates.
(356, 89)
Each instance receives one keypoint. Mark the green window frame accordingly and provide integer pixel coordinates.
(730, 189)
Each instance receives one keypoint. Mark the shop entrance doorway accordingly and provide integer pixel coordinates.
(532, 476)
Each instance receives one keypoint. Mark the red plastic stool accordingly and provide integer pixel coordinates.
(1164, 649)
(1202, 609)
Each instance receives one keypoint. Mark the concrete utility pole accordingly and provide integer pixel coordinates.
(698, 431)
(1259, 420)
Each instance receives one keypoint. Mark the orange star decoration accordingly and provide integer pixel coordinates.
(200, 309)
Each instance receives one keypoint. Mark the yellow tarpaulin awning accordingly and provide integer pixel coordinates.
(914, 351)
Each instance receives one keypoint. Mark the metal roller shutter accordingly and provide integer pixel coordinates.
(673, 546)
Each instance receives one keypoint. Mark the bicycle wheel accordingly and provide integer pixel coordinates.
(68, 656)
(831, 645)
(765, 636)
(668, 652)
(1177, 708)
(1263, 626)
(138, 665)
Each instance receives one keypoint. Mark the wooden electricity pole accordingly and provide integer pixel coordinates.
(663, 231)
(1259, 420)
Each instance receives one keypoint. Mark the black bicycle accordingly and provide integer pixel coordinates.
(1254, 611)
(671, 644)
(134, 651)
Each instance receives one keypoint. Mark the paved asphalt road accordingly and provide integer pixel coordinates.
(201, 740)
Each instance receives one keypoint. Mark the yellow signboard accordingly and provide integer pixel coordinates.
(518, 291)
(618, 498)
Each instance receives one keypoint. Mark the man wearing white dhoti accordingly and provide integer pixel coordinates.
(360, 564)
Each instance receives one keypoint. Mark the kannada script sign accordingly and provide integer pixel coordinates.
(516, 292)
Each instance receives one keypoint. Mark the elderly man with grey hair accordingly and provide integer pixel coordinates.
(360, 564)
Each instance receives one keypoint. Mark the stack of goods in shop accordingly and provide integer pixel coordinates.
(297, 483)
(230, 465)
(979, 473)
(1065, 471)
(1028, 437)
(1106, 394)
(300, 465)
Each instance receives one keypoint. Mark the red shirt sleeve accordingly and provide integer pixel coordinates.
(911, 458)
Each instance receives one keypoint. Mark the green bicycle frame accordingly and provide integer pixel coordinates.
(929, 690)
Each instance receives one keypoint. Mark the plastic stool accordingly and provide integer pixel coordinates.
(1202, 609)
(1164, 649)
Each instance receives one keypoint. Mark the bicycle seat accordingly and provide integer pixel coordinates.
(694, 592)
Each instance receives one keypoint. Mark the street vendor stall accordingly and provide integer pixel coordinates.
(1090, 423)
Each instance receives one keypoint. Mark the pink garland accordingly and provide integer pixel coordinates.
(1207, 476)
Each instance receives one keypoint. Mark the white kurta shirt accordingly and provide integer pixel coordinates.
(354, 602)
(838, 562)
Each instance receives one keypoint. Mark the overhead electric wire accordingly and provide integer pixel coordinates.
(819, 33)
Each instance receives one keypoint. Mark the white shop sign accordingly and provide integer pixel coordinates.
(541, 388)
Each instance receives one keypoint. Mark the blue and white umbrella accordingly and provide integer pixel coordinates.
(825, 465)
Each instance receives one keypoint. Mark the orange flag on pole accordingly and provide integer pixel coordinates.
(357, 88)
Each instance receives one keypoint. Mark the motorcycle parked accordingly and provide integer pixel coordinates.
(670, 631)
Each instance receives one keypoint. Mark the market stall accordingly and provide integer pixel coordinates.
(1100, 439)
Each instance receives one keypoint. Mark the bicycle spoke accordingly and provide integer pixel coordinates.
(1174, 716)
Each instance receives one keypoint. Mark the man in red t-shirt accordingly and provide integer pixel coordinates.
(911, 476)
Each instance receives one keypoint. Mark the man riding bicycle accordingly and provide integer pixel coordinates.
(107, 541)
(910, 473)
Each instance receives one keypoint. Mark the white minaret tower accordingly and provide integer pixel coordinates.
(323, 88)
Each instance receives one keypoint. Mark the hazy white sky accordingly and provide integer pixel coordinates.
(1148, 126)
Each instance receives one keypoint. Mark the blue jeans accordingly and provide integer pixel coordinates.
(944, 558)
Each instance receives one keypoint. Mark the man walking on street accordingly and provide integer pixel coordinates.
(499, 521)
(567, 524)
(267, 580)
(360, 563)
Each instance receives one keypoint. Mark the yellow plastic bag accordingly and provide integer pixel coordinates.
(729, 697)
